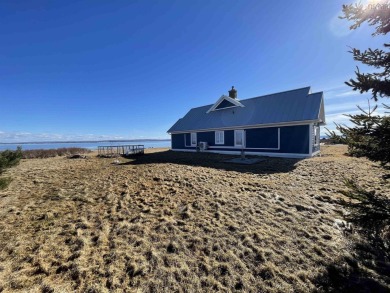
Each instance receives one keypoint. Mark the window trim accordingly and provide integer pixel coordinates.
(243, 138)
(196, 138)
(219, 134)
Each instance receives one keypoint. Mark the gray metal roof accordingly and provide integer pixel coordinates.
(284, 107)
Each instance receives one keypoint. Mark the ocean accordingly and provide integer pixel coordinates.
(87, 145)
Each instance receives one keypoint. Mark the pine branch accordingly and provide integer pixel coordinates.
(374, 14)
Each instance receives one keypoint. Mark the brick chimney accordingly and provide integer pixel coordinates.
(233, 93)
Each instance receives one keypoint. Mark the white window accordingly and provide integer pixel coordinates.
(193, 139)
(316, 135)
(239, 138)
(219, 137)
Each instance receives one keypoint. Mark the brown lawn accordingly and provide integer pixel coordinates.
(178, 222)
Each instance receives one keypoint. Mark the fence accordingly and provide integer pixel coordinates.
(120, 150)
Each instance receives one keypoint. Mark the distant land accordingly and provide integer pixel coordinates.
(85, 141)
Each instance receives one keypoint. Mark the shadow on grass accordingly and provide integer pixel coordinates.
(216, 161)
(367, 271)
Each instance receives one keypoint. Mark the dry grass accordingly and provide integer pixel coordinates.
(49, 153)
(180, 222)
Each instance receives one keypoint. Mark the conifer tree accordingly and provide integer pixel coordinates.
(370, 134)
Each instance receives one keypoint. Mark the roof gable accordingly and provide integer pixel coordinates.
(225, 102)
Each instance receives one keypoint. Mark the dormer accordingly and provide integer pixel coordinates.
(226, 102)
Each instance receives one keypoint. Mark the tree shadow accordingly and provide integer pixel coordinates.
(216, 161)
(367, 271)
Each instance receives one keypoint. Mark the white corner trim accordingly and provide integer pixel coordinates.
(229, 99)
(311, 139)
(316, 153)
(321, 114)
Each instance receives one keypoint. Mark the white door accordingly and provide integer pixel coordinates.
(239, 138)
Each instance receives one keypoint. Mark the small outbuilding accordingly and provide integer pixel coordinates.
(285, 124)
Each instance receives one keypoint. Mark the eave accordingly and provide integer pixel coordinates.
(280, 124)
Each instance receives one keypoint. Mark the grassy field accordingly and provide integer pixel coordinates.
(181, 222)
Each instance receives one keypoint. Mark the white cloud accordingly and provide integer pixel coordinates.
(341, 107)
(24, 136)
(348, 94)
(10, 137)
(343, 92)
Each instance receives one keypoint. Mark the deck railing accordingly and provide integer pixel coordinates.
(120, 150)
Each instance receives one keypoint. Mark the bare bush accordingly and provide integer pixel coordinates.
(41, 153)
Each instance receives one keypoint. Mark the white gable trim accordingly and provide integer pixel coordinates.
(229, 99)
(321, 114)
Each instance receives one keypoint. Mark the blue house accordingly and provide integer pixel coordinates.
(285, 124)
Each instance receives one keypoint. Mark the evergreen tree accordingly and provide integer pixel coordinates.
(369, 137)
(377, 15)
(370, 134)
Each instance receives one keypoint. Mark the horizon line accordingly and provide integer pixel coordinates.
(87, 141)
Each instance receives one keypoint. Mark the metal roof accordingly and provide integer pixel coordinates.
(285, 107)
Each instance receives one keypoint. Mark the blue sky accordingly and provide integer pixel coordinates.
(129, 69)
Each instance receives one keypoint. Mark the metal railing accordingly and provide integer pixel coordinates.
(120, 150)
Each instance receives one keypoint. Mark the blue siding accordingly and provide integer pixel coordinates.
(262, 138)
(188, 139)
(293, 140)
(229, 138)
(177, 141)
(208, 137)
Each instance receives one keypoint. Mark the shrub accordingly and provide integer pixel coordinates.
(8, 159)
(370, 211)
(4, 182)
(41, 153)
